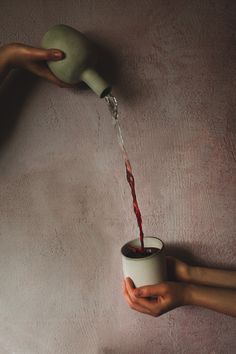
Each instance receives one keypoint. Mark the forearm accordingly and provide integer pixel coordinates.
(5, 65)
(212, 277)
(218, 299)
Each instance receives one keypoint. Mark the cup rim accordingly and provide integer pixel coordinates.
(144, 258)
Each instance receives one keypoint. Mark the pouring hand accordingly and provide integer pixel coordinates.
(17, 55)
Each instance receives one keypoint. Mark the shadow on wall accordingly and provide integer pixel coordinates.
(14, 92)
(110, 66)
(131, 349)
(117, 351)
(183, 251)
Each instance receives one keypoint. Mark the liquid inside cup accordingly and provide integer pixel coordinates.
(133, 252)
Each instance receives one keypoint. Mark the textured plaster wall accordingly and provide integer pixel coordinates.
(65, 206)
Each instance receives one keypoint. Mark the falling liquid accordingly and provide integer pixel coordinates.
(113, 107)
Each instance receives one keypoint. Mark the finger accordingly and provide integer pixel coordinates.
(43, 72)
(132, 305)
(151, 290)
(48, 75)
(149, 304)
(129, 283)
(130, 287)
(46, 54)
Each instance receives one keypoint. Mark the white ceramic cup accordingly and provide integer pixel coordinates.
(148, 270)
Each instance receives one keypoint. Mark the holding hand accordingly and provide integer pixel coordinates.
(214, 289)
(156, 299)
(17, 55)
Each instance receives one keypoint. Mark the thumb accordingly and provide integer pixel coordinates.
(150, 290)
(48, 54)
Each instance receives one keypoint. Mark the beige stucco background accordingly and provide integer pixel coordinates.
(65, 206)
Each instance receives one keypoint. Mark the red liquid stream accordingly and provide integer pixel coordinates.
(130, 179)
(113, 107)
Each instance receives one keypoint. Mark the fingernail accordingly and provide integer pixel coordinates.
(58, 54)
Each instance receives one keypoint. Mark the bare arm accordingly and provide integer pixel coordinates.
(213, 277)
(4, 63)
(217, 299)
(201, 275)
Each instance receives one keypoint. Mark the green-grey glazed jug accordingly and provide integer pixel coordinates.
(79, 57)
